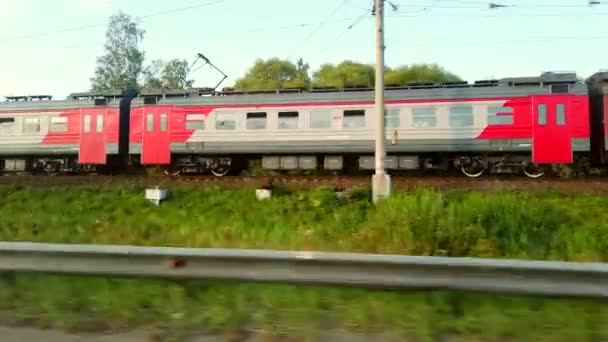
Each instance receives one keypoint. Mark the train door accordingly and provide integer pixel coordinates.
(156, 142)
(552, 141)
(92, 137)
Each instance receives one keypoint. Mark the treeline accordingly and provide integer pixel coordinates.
(276, 73)
(122, 66)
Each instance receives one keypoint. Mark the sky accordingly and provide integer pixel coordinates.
(50, 47)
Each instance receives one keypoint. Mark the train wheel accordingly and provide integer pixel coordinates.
(220, 170)
(172, 171)
(534, 171)
(473, 169)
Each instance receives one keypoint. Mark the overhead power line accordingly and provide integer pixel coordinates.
(283, 28)
(316, 29)
(321, 52)
(354, 22)
(445, 16)
(320, 24)
(358, 21)
(87, 27)
(434, 5)
(498, 4)
(513, 41)
(44, 34)
(466, 2)
(181, 9)
(348, 29)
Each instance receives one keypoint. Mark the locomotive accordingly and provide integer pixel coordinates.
(523, 125)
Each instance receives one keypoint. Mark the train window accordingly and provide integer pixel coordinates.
(163, 122)
(498, 115)
(99, 123)
(87, 123)
(560, 88)
(354, 119)
(150, 122)
(31, 125)
(289, 120)
(256, 120)
(7, 126)
(150, 100)
(392, 119)
(195, 121)
(320, 119)
(59, 124)
(225, 121)
(101, 102)
(542, 114)
(561, 115)
(461, 116)
(424, 117)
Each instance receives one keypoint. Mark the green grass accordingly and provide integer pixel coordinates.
(502, 225)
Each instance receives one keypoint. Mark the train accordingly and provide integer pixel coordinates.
(530, 126)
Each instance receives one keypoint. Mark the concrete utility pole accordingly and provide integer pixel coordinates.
(381, 181)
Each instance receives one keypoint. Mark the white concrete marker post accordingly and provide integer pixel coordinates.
(263, 194)
(156, 195)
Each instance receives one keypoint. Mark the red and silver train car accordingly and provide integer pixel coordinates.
(41, 135)
(507, 125)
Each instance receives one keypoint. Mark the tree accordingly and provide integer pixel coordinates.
(347, 74)
(303, 69)
(168, 75)
(152, 74)
(273, 74)
(419, 73)
(175, 75)
(280, 74)
(121, 65)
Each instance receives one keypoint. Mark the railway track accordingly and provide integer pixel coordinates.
(588, 185)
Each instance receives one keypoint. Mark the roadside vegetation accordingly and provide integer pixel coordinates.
(546, 226)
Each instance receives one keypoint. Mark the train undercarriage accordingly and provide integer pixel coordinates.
(45, 165)
(193, 164)
(471, 166)
(477, 166)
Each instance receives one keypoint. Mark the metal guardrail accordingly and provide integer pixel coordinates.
(359, 270)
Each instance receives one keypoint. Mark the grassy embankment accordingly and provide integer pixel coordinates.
(513, 225)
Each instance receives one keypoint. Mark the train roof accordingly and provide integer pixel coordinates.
(546, 83)
(74, 100)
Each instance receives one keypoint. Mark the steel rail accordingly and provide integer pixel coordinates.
(311, 268)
